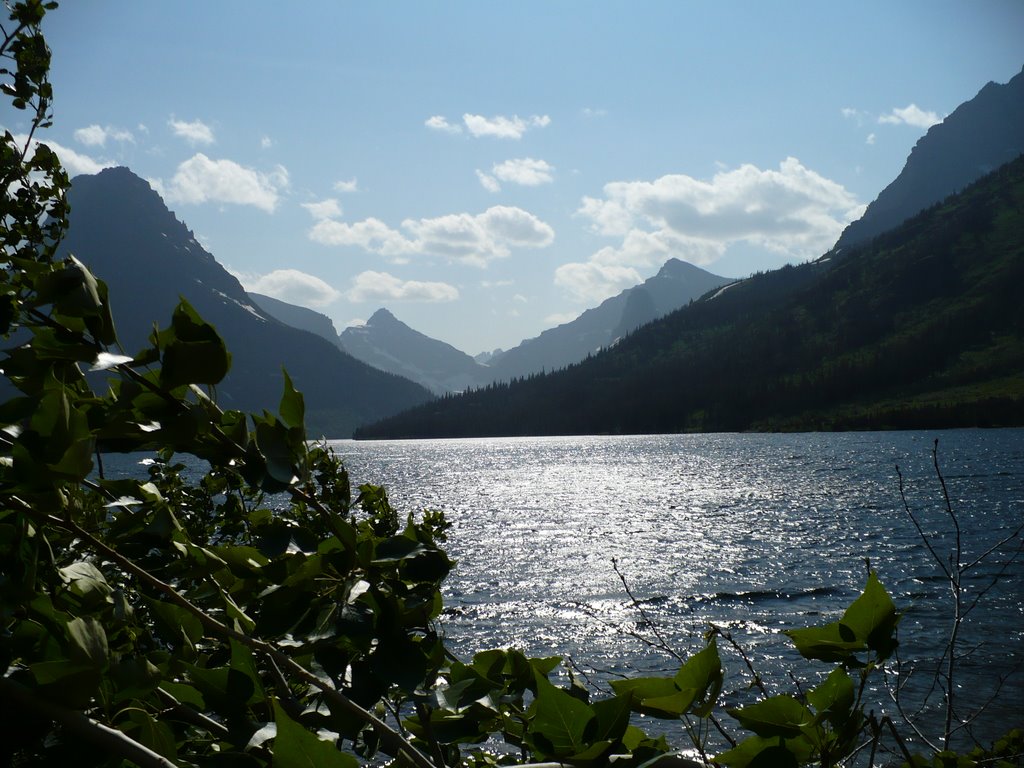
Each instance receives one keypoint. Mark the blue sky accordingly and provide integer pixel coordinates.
(488, 170)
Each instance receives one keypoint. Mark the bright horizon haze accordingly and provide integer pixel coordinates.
(487, 171)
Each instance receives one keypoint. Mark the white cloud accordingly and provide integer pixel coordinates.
(792, 210)
(870, 139)
(97, 135)
(591, 282)
(488, 182)
(461, 237)
(502, 127)
(516, 226)
(640, 248)
(200, 179)
(370, 235)
(195, 132)
(292, 286)
(325, 209)
(525, 171)
(352, 185)
(381, 286)
(74, 163)
(911, 115)
(266, 142)
(440, 123)
(589, 112)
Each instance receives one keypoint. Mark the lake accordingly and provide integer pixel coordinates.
(755, 533)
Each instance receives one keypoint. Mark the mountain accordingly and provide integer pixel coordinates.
(296, 316)
(390, 345)
(921, 327)
(676, 284)
(979, 136)
(123, 231)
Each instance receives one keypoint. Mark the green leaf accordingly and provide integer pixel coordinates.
(224, 688)
(777, 716)
(640, 688)
(174, 623)
(873, 617)
(87, 583)
(757, 752)
(868, 624)
(280, 454)
(558, 721)
(151, 733)
(88, 641)
(70, 682)
(701, 679)
(293, 407)
(186, 694)
(833, 698)
(194, 353)
(824, 643)
(295, 747)
(60, 670)
(242, 660)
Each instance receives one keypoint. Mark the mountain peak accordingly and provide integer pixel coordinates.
(382, 317)
(677, 268)
(387, 343)
(976, 138)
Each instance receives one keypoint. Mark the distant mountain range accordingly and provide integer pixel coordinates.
(123, 231)
(976, 138)
(390, 345)
(921, 327)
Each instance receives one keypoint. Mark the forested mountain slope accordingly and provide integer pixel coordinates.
(923, 327)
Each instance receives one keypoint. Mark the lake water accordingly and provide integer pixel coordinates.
(755, 533)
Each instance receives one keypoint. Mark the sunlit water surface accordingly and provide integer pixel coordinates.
(754, 533)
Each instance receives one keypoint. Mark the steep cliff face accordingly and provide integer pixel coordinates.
(122, 230)
(979, 136)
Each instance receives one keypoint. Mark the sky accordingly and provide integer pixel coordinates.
(489, 170)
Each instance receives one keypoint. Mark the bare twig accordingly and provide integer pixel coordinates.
(923, 536)
(662, 643)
